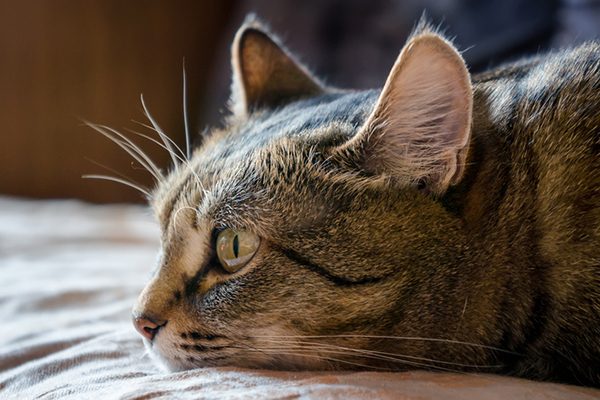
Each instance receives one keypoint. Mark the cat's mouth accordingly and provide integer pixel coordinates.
(190, 349)
(193, 349)
(185, 355)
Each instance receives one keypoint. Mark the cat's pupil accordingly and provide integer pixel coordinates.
(236, 246)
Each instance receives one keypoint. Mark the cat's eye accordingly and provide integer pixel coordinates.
(236, 248)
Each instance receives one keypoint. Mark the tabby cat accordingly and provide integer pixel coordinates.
(444, 222)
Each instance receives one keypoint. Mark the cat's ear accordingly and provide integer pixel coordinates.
(265, 74)
(420, 127)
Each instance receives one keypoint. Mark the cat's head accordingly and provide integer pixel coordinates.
(309, 225)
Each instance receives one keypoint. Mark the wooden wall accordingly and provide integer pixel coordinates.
(66, 60)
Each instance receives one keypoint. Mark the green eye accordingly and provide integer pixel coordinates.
(236, 248)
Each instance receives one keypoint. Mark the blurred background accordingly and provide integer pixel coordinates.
(62, 61)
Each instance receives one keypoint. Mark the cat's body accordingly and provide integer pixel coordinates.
(531, 202)
(477, 249)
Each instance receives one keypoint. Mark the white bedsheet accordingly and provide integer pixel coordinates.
(69, 273)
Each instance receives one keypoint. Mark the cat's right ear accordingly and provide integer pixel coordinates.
(419, 130)
(265, 74)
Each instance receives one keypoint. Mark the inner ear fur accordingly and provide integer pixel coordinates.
(265, 74)
(420, 127)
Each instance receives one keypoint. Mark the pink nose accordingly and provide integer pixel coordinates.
(147, 327)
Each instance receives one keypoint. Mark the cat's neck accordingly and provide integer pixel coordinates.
(491, 191)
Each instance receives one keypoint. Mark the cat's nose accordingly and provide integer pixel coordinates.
(146, 326)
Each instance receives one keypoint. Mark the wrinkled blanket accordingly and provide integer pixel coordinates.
(69, 273)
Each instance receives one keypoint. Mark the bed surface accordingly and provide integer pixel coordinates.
(69, 273)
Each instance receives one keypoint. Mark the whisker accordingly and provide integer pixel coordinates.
(246, 346)
(163, 137)
(154, 141)
(119, 180)
(182, 160)
(114, 171)
(130, 147)
(415, 338)
(186, 123)
(475, 366)
(196, 177)
(138, 149)
(182, 208)
(277, 352)
(160, 132)
(137, 167)
(391, 356)
(374, 357)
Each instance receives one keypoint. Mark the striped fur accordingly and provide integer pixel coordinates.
(495, 269)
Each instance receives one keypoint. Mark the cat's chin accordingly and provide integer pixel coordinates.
(166, 358)
(167, 364)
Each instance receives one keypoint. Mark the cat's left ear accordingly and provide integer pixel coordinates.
(265, 74)
(420, 128)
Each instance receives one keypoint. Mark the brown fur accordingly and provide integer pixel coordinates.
(487, 260)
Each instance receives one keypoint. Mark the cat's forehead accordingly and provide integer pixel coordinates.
(311, 121)
(231, 161)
